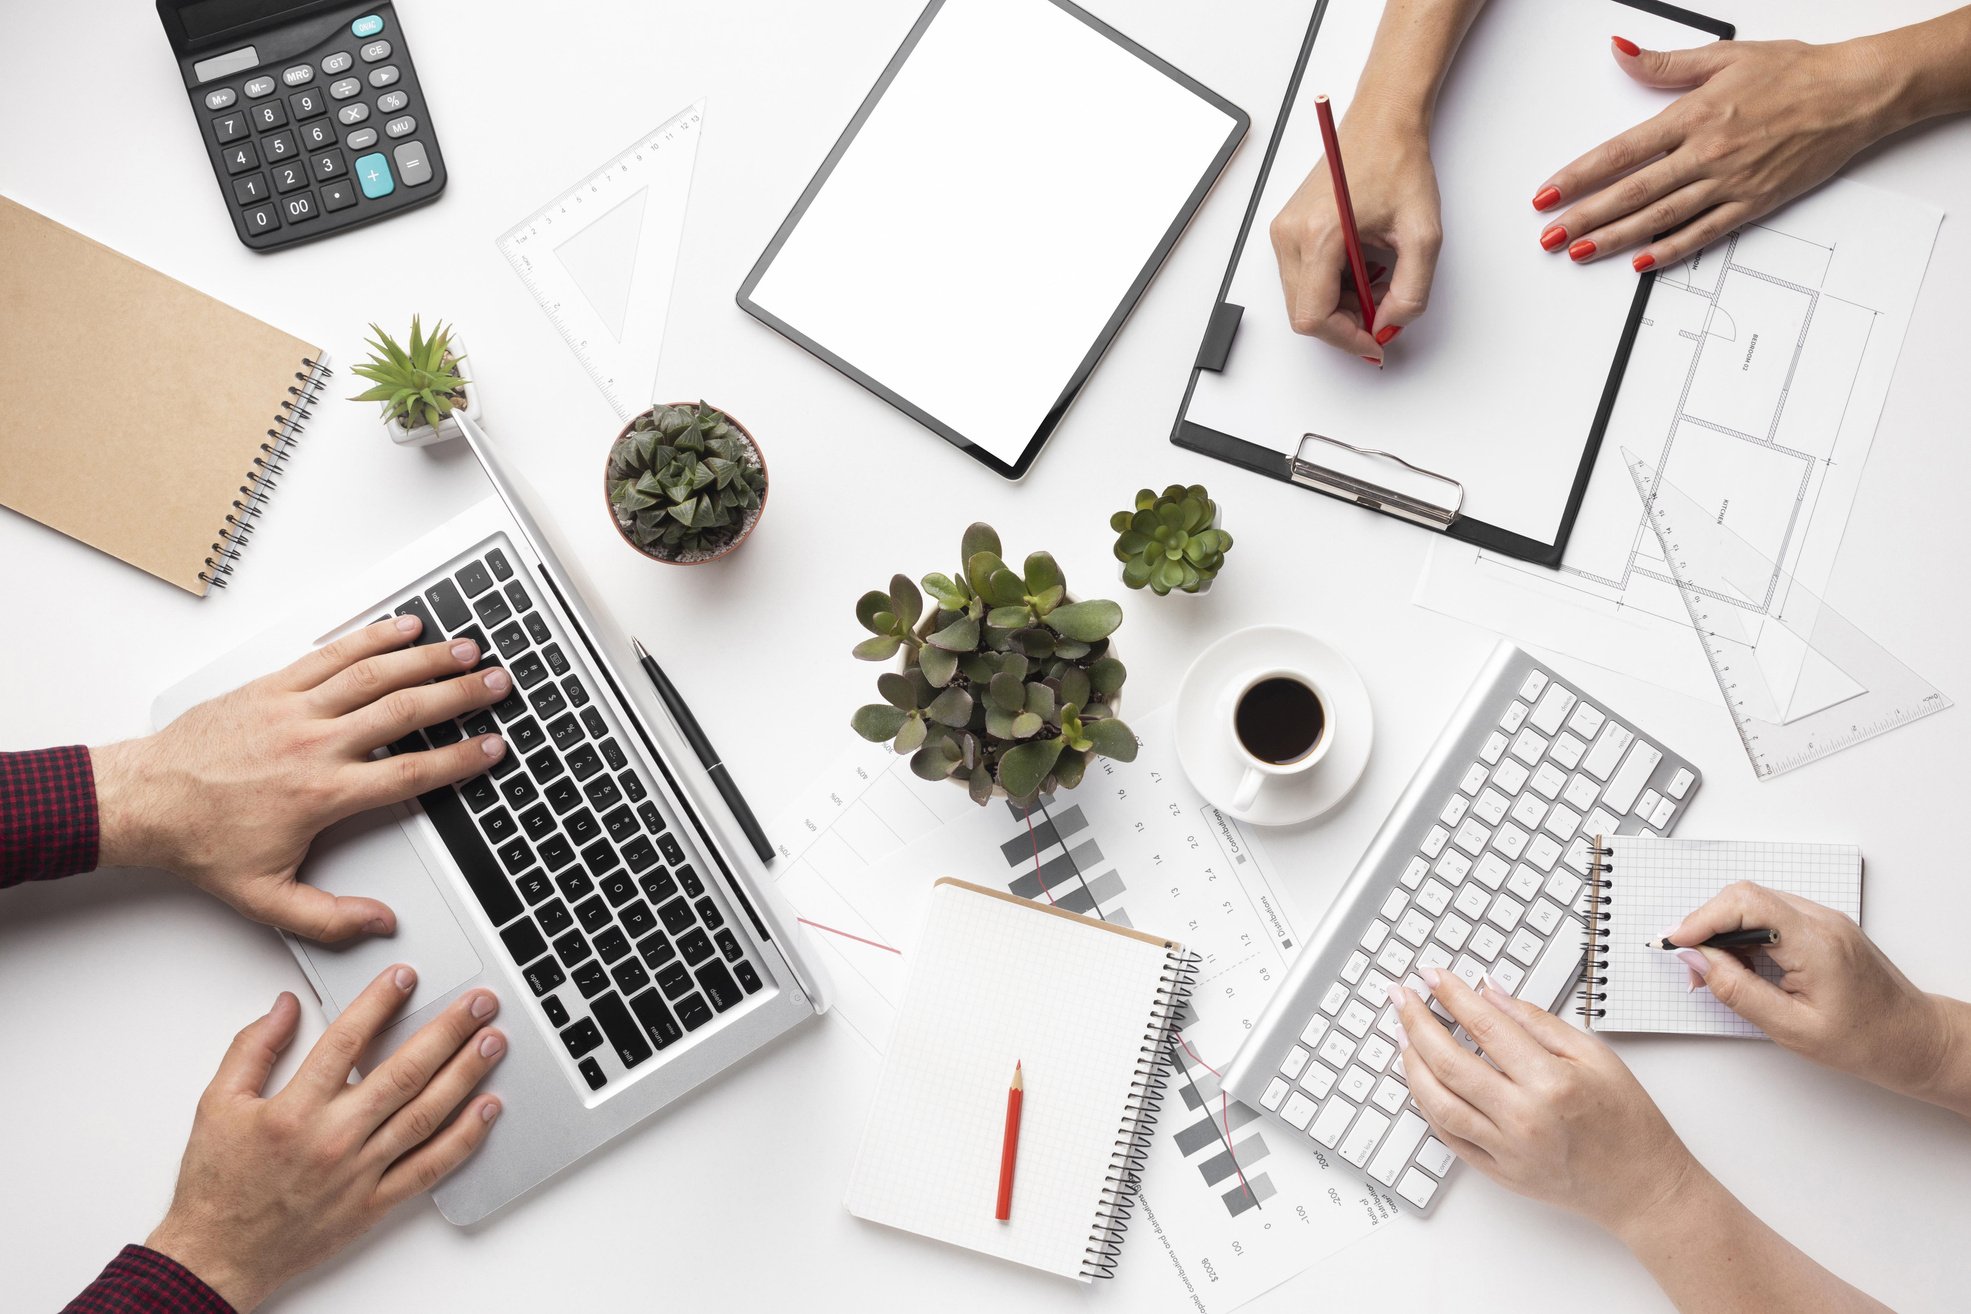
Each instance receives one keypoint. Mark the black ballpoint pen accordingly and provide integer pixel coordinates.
(694, 734)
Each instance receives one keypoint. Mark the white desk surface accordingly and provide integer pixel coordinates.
(122, 989)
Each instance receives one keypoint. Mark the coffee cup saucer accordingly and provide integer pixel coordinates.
(1204, 716)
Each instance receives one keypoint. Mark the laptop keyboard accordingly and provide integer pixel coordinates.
(593, 894)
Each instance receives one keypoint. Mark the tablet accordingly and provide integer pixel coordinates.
(978, 234)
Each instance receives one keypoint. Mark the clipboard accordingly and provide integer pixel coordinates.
(1373, 474)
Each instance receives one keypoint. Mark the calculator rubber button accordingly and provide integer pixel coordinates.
(241, 156)
(289, 178)
(360, 140)
(218, 100)
(344, 88)
(260, 219)
(249, 189)
(376, 50)
(258, 87)
(269, 116)
(392, 101)
(373, 172)
(385, 76)
(317, 136)
(366, 26)
(412, 166)
(350, 115)
(279, 146)
(339, 62)
(307, 104)
(300, 207)
(338, 195)
(228, 126)
(300, 75)
(328, 165)
(401, 126)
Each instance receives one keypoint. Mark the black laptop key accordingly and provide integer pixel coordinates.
(502, 568)
(658, 885)
(557, 1012)
(554, 917)
(694, 1012)
(444, 734)
(526, 734)
(576, 693)
(480, 723)
(676, 915)
(611, 943)
(537, 821)
(625, 1036)
(513, 706)
(656, 949)
(591, 978)
(547, 700)
(603, 794)
(657, 1020)
(412, 742)
(519, 792)
(504, 765)
(617, 886)
(545, 766)
(557, 660)
(511, 639)
(592, 1074)
(653, 820)
(517, 596)
(529, 671)
(668, 845)
(718, 985)
(535, 885)
(480, 792)
(567, 732)
(621, 824)
(492, 610)
(544, 976)
(630, 976)
(688, 877)
(674, 979)
(633, 786)
(537, 628)
(524, 941)
(499, 825)
(582, 825)
(581, 1038)
(593, 912)
(557, 852)
(477, 637)
(708, 913)
(729, 946)
(695, 945)
(584, 762)
(574, 884)
(593, 720)
(563, 794)
(639, 853)
(474, 578)
(515, 855)
(612, 753)
(472, 854)
(446, 600)
(749, 980)
(571, 947)
(637, 918)
(599, 858)
(431, 633)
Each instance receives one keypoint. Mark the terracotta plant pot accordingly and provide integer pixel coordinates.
(747, 524)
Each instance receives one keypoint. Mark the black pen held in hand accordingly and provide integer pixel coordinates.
(1745, 939)
(694, 734)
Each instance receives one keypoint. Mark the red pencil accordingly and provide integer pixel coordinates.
(1357, 265)
(1009, 1151)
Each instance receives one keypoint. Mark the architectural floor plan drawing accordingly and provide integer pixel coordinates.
(1755, 384)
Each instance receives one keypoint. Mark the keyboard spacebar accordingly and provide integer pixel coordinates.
(1548, 979)
(468, 849)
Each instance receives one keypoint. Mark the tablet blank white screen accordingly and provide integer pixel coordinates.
(991, 214)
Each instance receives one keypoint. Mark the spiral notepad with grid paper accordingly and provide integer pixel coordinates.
(1646, 886)
(1086, 1008)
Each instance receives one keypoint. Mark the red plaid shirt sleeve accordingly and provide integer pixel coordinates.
(141, 1281)
(48, 823)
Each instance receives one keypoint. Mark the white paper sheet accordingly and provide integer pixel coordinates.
(992, 214)
(1497, 385)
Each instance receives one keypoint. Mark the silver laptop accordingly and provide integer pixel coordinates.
(593, 879)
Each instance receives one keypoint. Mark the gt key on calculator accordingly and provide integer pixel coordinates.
(310, 111)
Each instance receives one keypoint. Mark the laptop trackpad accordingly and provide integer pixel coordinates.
(370, 855)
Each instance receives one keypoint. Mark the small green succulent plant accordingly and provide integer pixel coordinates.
(418, 385)
(683, 481)
(1169, 541)
(1005, 681)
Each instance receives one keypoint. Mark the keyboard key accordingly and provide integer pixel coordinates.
(1525, 883)
(1373, 937)
(594, 913)
(557, 1012)
(1491, 870)
(518, 791)
(592, 978)
(492, 610)
(1318, 1080)
(629, 975)
(693, 1012)
(1514, 718)
(1395, 958)
(1451, 933)
(582, 826)
(543, 976)
(658, 885)
(1681, 782)
(1567, 751)
(1454, 811)
(571, 948)
(1356, 1083)
(581, 1038)
(1551, 974)
(693, 887)
(537, 629)
(1414, 873)
(656, 949)
(603, 794)
(554, 916)
(524, 941)
(567, 732)
(625, 1036)
(229, 127)
(1505, 913)
(1276, 1091)
(577, 695)
(473, 856)
(708, 913)
(1331, 1002)
(1552, 711)
(1298, 1110)
(1495, 748)
(674, 980)
(1630, 777)
(1510, 840)
(1607, 751)
(631, 782)
(1395, 1153)
(749, 980)
(535, 886)
(1472, 901)
(1334, 1120)
(557, 853)
(1376, 1053)
(593, 720)
(1525, 946)
(527, 670)
(637, 918)
(1414, 929)
(450, 605)
(639, 853)
(695, 945)
(592, 1073)
(547, 701)
(1434, 842)
(1389, 1096)
(1508, 974)
(617, 886)
(479, 793)
(1433, 898)
(1435, 1157)
(574, 884)
(1316, 1027)
(1543, 852)
(657, 1020)
(1490, 807)
(611, 943)
(1547, 781)
(718, 985)
(498, 824)
(729, 946)
(1417, 1188)
(1535, 681)
(653, 821)
(1543, 917)
(1337, 1051)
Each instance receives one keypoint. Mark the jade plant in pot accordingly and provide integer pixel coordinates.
(1004, 684)
(686, 483)
(420, 385)
(1170, 540)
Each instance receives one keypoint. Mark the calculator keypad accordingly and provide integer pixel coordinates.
(289, 164)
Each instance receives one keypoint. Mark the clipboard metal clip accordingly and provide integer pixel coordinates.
(1327, 476)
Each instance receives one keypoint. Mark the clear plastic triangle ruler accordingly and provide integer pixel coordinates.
(601, 257)
(1800, 681)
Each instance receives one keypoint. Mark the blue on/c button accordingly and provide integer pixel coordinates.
(367, 26)
(373, 172)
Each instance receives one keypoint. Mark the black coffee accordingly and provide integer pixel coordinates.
(1279, 720)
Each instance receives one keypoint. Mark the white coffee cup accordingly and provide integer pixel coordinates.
(1280, 724)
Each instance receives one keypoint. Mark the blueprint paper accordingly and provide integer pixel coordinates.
(1756, 382)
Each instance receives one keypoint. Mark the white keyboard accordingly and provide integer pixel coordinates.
(1480, 868)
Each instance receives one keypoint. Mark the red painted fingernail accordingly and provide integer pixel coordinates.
(1626, 46)
(1581, 250)
(1643, 261)
(1554, 238)
(1387, 334)
(1545, 198)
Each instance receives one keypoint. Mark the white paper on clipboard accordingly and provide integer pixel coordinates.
(1497, 385)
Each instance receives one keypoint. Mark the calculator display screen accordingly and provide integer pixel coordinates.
(204, 19)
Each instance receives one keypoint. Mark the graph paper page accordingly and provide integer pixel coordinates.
(997, 981)
(1655, 883)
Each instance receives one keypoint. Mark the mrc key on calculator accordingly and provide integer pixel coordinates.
(310, 111)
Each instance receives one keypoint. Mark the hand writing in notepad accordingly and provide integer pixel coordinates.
(230, 795)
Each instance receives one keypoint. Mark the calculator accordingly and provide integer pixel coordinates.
(310, 110)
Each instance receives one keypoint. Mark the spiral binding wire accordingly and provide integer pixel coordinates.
(1591, 996)
(262, 478)
(1132, 1144)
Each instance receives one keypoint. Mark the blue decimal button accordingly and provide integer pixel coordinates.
(366, 26)
(373, 172)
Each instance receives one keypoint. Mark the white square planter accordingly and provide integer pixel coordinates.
(425, 434)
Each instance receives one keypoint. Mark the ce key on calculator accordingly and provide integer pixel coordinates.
(311, 113)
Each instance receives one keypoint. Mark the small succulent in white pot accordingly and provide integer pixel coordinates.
(420, 384)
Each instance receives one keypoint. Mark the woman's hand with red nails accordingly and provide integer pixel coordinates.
(230, 795)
